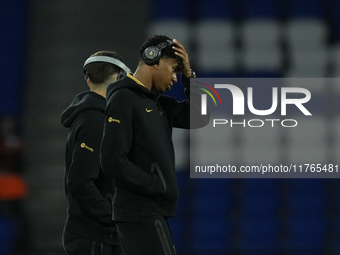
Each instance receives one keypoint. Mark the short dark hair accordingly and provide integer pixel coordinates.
(167, 52)
(99, 72)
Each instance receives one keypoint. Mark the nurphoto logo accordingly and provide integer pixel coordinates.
(238, 104)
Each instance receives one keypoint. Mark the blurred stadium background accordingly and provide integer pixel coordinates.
(43, 45)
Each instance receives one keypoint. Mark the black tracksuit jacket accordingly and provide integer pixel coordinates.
(137, 149)
(88, 191)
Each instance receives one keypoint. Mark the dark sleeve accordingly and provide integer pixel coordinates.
(180, 112)
(117, 140)
(85, 168)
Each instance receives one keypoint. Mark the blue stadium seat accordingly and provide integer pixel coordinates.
(307, 234)
(261, 186)
(307, 186)
(213, 187)
(211, 199)
(264, 9)
(210, 237)
(211, 206)
(337, 231)
(306, 8)
(210, 220)
(13, 27)
(263, 206)
(178, 227)
(335, 7)
(259, 235)
(259, 223)
(307, 224)
(14, 11)
(337, 201)
(163, 9)
(9, 104)
(11, 62)
(182, 178)
(216, 9)
(307, 206)
(7, 236)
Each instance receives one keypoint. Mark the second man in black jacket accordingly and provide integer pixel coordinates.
(137, 149)
(89, 229)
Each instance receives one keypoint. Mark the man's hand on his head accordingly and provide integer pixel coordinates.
(181, 52)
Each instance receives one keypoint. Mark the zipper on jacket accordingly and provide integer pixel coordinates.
(165, 128)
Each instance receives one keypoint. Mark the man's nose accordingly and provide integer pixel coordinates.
(174, 77)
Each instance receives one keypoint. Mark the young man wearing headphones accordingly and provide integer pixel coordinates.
(89, 229)
(137, 149)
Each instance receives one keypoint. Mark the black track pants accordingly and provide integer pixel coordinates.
(77, 245)
(152, 237)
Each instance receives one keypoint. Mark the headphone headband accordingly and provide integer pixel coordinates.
(106, 59)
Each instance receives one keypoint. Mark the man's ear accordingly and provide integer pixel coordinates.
(88, 82)
(156, 66)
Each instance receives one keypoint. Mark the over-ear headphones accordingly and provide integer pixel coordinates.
(152, 54)
(106, 59)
